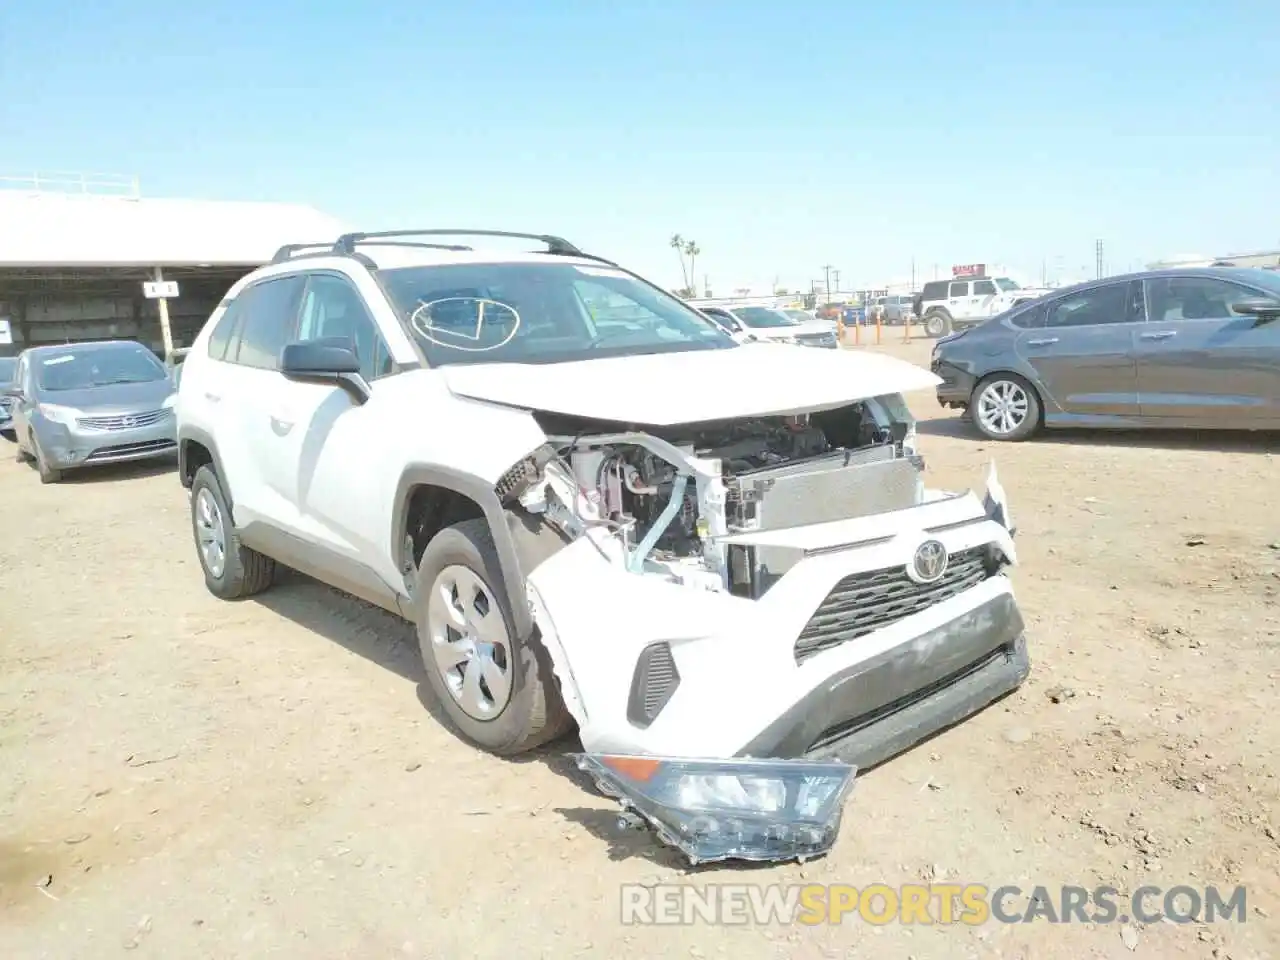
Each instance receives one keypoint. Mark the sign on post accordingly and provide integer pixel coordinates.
(160, 289)
(6, 331)
(969, 270)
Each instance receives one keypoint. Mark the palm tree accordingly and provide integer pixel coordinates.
(692, 249)
(679, 246)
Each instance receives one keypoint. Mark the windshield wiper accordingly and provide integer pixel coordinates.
(116, 380)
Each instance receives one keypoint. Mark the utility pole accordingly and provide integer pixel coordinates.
(1097, 250)
(913, 275)
(827, 271)
(836, 274)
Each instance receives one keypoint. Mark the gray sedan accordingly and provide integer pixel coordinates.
(1194, 348)
(81, 404)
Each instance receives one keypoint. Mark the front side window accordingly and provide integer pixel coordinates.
(763, 317)
(1171, 299)
(982, 288)
(333, 309)
(270, 313)
(73, 369)
(959, 289)
(1097, 305)
(542, 312)
(1005, 284)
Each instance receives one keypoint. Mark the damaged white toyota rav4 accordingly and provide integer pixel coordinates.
(720, 562)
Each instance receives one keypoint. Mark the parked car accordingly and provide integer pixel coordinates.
(1193, 348)
(962, 302)
(77, 405)
(695, 550)
(893, 310)
(727, 322)
(8, 368)
(776, 326)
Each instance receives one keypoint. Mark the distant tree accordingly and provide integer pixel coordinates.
(680, 247)
(692, 249)
(781, 292)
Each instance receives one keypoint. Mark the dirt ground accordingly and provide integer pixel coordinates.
(186, 778)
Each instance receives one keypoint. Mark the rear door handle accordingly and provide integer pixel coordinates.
(281, 424)
(212, 397)
(1159, 335)
(1043, 342)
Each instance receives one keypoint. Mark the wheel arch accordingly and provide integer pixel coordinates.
(454, 495)
(196, 449)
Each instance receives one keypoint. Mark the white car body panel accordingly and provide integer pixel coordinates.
(815, 380)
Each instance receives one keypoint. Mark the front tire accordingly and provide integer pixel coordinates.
(1004, 406)
(48, 474)
(937, 323)
(496, 688)
(232, 571)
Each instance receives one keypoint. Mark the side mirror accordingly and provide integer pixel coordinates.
(325, 361)
(1264, 310)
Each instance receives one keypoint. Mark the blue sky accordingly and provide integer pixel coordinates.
(781, 136)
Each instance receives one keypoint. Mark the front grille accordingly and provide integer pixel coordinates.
(865, 602)
(125, 421)
(118, 450)
(817, 339)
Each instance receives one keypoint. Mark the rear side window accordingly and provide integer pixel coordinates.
(221, 335)
(1093, 307)
(1028, 316)
(270, 316)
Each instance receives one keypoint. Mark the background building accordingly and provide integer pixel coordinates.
(72, 265)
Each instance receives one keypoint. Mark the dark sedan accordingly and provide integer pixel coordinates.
(1193, 348)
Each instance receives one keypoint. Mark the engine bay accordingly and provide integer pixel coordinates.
(671, 495)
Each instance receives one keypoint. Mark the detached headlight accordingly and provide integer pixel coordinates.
(730, 809)
(64, 415)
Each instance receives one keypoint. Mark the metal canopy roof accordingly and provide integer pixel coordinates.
(70, 230)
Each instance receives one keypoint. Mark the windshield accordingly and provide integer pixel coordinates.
(759, 317)
(97, 367)
(1004, 283)
(542, 313)
(8, 366)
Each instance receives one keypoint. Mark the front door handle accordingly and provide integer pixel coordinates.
(212, 397)
(281, 424)
(1159, 335)
(1042, 342)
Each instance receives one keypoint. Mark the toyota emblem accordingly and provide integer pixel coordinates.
(929, 563)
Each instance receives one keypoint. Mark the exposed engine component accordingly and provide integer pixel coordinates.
(671, 495)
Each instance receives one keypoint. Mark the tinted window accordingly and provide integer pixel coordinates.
(935, 290)
(763, 317)
(333, 308)
(983, 287)
(1098, 305)
(268, 324)
(221, 334)
(1193, 298)
(959, 289)
(1028, 316)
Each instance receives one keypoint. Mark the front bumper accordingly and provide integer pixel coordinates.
(876, 709)
(735, 677)
(69, 446)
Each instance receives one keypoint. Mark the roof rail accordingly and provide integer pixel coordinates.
(292, 251)
(347, 242)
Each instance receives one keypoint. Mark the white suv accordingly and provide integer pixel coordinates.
(595, 506)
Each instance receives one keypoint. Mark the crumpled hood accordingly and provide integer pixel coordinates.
(758, 380)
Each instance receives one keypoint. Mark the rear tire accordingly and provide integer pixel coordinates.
(496, 688)
(1004, 406)
(937, 323)
(232, 571)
